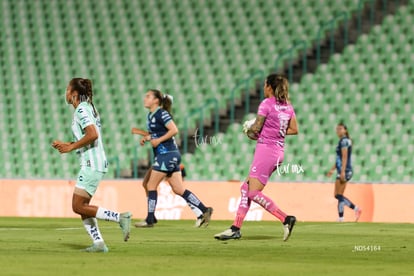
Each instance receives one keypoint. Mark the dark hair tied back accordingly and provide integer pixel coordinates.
(84, 89)
(346, 129)
(280, 87)
(164, 100)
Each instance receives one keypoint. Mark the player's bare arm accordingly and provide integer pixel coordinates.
(145, 135)
(331, 170)
(344, 162)
(292, 127)
(257, 126)
(90, 136)
(139, 131)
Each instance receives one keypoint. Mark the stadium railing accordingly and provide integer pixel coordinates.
(361, 4)
(257, 74)
(135, 160)
(328, 25)
(115, 160)
(289, 54)
(200, 112)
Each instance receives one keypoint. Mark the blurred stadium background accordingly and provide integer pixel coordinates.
(349, 60)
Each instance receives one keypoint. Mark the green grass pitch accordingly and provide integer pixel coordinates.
(52, 247)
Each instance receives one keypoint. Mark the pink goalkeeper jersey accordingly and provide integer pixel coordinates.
(276, 123)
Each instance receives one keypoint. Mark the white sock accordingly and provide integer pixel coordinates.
(107, 215)
(197, 212)
(91, 226)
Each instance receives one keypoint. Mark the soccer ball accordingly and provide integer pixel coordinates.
(247, 125)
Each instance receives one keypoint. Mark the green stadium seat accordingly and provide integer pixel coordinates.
(193, 51)
(372, 96)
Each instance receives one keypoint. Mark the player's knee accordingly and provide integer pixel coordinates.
(252, 194)
(178, 188)
(339, 197)
(77, 208)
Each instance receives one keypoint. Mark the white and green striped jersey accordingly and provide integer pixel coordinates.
(92, 155)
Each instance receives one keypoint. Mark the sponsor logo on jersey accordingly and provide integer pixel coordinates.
(281, 107)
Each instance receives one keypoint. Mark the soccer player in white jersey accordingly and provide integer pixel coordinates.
(87, 143)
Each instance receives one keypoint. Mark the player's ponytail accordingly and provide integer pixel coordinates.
(282, 90)
(346, 130)
(87, 83)
(280, 87)
(347, 134)
(165, 100)
(84, 89)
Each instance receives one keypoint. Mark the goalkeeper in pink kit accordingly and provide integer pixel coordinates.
(275, 119)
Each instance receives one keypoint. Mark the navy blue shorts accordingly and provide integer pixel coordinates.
(168, 162)
(348, 175)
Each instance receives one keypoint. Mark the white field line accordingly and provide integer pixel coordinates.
(16, 229)
(56, 229)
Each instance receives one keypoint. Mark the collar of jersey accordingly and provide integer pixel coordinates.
(155, 111)
(81, 104)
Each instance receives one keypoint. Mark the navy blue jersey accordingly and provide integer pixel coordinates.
(344, 142)
(157, 127)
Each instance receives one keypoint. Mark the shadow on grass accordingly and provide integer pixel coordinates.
(258, 238)
(74, 246)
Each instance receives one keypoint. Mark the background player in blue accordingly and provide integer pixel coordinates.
(343, 167)
(177, 190)
(167, 157)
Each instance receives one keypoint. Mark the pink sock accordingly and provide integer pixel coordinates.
(244, 206)
(268, 204)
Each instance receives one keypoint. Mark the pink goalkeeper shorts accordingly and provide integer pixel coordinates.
(265, 161)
